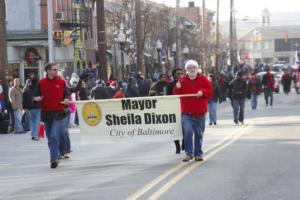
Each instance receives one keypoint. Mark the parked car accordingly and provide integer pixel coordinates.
(277, 80)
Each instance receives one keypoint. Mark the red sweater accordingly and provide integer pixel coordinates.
(53, 93)
(193, 105)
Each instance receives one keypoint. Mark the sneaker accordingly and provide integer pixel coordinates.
(54, 164)
(198, 158)
(64, 156)
(187, 158)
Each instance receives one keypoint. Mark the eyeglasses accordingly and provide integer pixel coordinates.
(55, 69)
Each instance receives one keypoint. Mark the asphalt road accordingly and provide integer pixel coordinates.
(259, 160)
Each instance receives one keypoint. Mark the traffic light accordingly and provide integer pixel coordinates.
(58, 36)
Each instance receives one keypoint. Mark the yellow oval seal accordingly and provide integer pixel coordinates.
(91, 114)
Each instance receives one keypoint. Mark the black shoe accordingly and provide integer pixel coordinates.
(178, 151)
(35, 139)
(236, 122)
(182, 145)
(210, 123)
(215, 123)
(54, 164)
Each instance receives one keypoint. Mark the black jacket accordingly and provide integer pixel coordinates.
(238, 89)
(28, 98)
(99, 93)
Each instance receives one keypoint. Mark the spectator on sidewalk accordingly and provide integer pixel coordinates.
(16, 99)
(34, 108)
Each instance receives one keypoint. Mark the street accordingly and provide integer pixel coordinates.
(257, 161)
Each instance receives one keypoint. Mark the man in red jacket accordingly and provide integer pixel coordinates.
(53, 95)
(193, 109)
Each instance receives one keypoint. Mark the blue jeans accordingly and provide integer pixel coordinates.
(253, 100)
(65, 144)
(193, 126)
(238, 109)
(18, 120)
(269, 93)
(35, 119)
(212, 110)
(54, 131)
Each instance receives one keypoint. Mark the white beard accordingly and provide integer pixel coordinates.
(192, 75)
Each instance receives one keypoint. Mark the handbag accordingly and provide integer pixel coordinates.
(41, 133)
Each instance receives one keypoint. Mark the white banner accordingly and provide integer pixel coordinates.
(134, 119)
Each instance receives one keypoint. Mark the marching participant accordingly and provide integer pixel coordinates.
(193, 109)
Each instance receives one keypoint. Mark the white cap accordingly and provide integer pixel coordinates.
(191, 63)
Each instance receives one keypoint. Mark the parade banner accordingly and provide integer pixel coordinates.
(141, 119)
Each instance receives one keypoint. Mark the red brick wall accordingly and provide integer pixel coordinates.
(44, 13)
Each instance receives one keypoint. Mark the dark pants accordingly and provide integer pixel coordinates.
(238, 109)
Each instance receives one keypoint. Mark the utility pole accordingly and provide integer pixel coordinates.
(50, 30)
(217, 67)
(102, 67)
(204, 37)
(178, 36)
(139, 38)
(3, 47)
(233, 37)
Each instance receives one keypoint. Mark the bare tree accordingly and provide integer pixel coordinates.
(3, 47)
(102, 68)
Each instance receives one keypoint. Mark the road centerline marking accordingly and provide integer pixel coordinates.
(182, 174)
(169, 172)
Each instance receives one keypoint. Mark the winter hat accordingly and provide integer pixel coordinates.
(191, 63)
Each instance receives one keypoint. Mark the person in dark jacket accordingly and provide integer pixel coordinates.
(132, 89)
(176, 73)
(286, 81)
(99, 92)
(213, 102)
(238, 89)
(33, 107)
(82, 93)
(193, 109)
(160, 87)
(53, 95)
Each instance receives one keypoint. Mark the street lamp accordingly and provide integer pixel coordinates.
(122, 41)
(174, 54)
(158, 48)
(186, 52)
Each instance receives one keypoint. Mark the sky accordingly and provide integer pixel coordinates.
(250, 8)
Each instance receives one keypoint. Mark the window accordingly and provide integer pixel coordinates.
(266, 45)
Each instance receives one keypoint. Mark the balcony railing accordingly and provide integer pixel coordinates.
(72, 17)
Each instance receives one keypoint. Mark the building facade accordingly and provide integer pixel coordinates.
(27, 39)
(270, 44)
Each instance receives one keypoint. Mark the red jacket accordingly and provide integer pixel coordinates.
(53, 93)
(193, 105)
